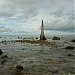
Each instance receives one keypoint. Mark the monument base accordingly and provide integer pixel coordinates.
(42, 38)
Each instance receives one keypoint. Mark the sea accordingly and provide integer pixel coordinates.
(37, 59)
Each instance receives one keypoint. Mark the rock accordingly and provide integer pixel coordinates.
(18, 37)
(55, 71)
(36, 38)
(69, 47)
(23, 48)
(65, 42)
(24, 38)
(3, 61)
(55, 38)
(19, 68)
(4, 56)
(1, 52)
(73, 40)
(70, 55)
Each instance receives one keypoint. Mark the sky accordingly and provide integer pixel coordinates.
(25, 16)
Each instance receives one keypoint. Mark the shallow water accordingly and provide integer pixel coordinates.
(38, 59)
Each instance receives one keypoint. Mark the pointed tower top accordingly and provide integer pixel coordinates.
(42, 36)
(42, 23)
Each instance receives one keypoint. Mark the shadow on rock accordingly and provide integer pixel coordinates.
(69, 47)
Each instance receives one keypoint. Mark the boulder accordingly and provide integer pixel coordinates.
(19, 68)
(55, 38)
(4, 56)
(36, 37)
(23, 48)
(55, 71)
(73, 40)
(69, 47)
(70, 55)
(1, 52)
(3, 61)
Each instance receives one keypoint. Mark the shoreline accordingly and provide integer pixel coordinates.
(32, 41)
(36, 56)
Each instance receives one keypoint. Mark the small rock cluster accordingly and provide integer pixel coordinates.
(69, 47)
(73, 40)
(2, 57)
(19, 68)
(55, 38)
(1, 52)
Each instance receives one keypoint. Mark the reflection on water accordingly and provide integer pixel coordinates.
(37, 59)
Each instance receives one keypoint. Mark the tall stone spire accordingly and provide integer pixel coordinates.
(42, 36)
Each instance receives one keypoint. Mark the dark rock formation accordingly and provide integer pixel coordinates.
(4, 56)
(69, 47)
(73, 40)
(18, 37)
(55, 38)
(1, 52)
(36, 37)
(70, 55)
(54, 71)
(23, 48)
(3, 61)
(19, 68)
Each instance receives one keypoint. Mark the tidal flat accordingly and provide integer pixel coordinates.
(50, 58)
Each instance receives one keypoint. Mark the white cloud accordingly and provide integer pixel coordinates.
(6, 8)
(5, 29)
(57, 14)
(60, 25)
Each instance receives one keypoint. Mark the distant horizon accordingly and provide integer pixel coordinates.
(46, 33)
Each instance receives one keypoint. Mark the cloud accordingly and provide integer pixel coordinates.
(6, 8)
(57, 14)
(5, 29)
(60, 25)
(62, 18)
(27, 14)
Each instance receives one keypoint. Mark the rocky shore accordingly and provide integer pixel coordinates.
(35, 57)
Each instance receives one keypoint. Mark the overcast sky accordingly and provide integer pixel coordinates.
(24, 16)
